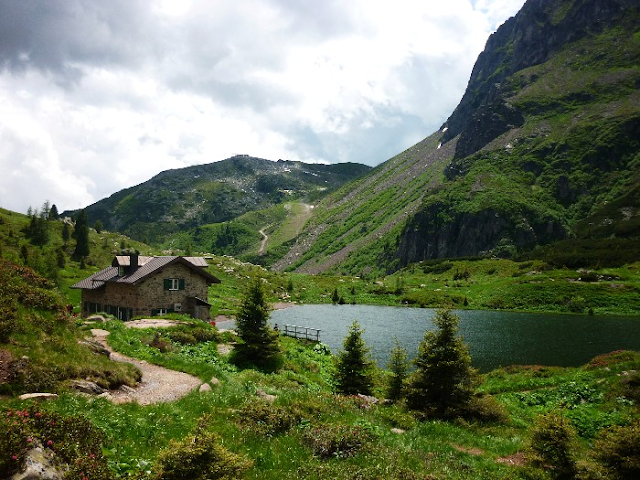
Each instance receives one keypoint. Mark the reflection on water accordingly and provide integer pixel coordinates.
(494, 338)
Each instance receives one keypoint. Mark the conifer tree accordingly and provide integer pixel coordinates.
(81, 234)
(354, 368)
(399, 367)
(260, 345)
(444, 381)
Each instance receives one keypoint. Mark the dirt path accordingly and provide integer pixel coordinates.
(158, 384)
(265, 239)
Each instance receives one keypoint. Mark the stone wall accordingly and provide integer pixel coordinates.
(150, 295)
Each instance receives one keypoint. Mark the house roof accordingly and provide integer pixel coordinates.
(147, 266)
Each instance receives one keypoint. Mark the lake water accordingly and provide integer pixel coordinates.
(494, 338)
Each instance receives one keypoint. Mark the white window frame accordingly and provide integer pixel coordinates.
(175, 284)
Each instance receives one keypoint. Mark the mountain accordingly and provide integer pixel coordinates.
(544, 147)
(186, 198)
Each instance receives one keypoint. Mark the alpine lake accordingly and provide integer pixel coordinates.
(495, 338)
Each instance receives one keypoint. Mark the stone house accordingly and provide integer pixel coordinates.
(136, 285)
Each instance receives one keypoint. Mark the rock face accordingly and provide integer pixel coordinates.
(470, 234)
(541, 137)
(536, 33)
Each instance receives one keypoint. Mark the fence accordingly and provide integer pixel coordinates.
(307, 333)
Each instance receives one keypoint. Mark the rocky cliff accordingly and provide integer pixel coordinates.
(547, 137)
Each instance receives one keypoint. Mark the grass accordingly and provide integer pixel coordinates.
(593, 397)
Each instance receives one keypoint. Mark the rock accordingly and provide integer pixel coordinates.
(95, 347)
(265, 396)
(39, 466)
(367, 400)
(97, 318)
(214, 381)
(398, 431)
(205, 387)
(127, 389)
(37, 396)
(85, 386)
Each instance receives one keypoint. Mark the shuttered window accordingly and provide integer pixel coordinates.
(174, 283)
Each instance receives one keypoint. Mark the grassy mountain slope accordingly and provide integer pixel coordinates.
(350, 227)
(183, 199)
(544, 147)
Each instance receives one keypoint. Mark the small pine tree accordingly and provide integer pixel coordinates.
(354, 368)
(335, 297)
(66, 233)
(260, 345)
(53, 213)
(81, 234)
(98, 226)
(444, 381)
(399, 367)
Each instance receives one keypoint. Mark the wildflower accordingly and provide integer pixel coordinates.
(29, 440)
(49, 443)
(38, 414)
(14, 457)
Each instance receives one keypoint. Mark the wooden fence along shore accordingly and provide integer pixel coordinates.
(296, 331)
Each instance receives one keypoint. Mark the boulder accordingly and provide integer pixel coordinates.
(39, 466)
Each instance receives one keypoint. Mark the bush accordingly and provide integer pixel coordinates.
(619, 450)
(486, 409)
(338, 441)
(552, 446)
(267, 419)
(77, 444)
(200, 456)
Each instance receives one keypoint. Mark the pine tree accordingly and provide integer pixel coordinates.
(260, 345)
(53, 213)
(81, 233)
(354, 368)
(399, 367)
(444, 381)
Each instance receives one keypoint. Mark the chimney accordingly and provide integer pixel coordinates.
(133, 261)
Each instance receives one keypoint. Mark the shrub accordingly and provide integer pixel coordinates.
(76, 442)
(619, 450)
(486, 409)
(339, 441)
(200, 456)
(552, 446)
(267, 419)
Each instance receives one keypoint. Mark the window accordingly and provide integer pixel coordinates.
(121, 271)
(174, 283)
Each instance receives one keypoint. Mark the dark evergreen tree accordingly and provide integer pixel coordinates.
(53, 212)
(399, 367)
(66, 233)
(444, 381)
(335, 296)
(354, 369)
(81, 232)
(98, 226)
(260, 346)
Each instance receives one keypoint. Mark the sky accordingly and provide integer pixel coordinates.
(97, 96)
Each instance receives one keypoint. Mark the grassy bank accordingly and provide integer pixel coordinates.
(497, 284)
(309, 432)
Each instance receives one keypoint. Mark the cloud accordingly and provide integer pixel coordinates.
(109, 94)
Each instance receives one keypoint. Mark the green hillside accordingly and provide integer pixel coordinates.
(543, 148)
(184, 199)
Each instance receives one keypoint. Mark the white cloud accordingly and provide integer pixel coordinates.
(99, 96)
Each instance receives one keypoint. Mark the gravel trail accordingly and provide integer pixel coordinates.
(158, 384)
